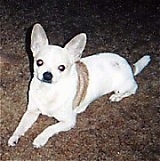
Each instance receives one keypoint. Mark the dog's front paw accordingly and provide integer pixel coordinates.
(13, 140)
(40, 141)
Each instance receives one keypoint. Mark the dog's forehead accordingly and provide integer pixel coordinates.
(53, 52)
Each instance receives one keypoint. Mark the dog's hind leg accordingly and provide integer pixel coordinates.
(123, 92)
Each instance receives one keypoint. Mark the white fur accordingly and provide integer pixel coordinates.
(108, 72)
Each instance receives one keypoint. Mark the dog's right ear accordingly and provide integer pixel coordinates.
(38, 38)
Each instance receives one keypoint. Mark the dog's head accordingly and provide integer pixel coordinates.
(52, 62)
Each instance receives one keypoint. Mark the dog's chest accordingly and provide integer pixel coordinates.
(46, 101)
(51, 99)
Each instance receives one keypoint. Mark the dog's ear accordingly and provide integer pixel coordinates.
(38, 38)
(76, 46)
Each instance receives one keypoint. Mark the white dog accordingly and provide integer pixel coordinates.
(64, 84)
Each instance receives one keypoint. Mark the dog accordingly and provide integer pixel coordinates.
(64, 84)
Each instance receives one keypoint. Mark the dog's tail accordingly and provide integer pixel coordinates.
(140, 64)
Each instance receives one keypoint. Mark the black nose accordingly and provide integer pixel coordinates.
(47, 77)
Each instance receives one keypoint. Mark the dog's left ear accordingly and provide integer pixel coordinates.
(76, 46)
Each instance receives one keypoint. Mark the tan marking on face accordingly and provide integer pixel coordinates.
(83, 81)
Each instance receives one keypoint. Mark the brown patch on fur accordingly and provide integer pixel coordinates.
(83, 80)
(115, 64)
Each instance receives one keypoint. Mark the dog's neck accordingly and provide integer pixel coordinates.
(82, 84)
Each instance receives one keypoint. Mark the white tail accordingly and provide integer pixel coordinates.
(141, 63)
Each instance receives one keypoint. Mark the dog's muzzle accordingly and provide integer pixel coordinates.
(47, 77)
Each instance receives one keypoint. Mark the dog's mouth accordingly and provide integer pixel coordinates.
(45, 81)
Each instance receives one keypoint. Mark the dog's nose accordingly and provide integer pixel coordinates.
(47, 76)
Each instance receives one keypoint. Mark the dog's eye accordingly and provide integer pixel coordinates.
(61, 68)
(39, 62)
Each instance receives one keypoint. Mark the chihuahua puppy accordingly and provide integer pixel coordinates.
(64, 84)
